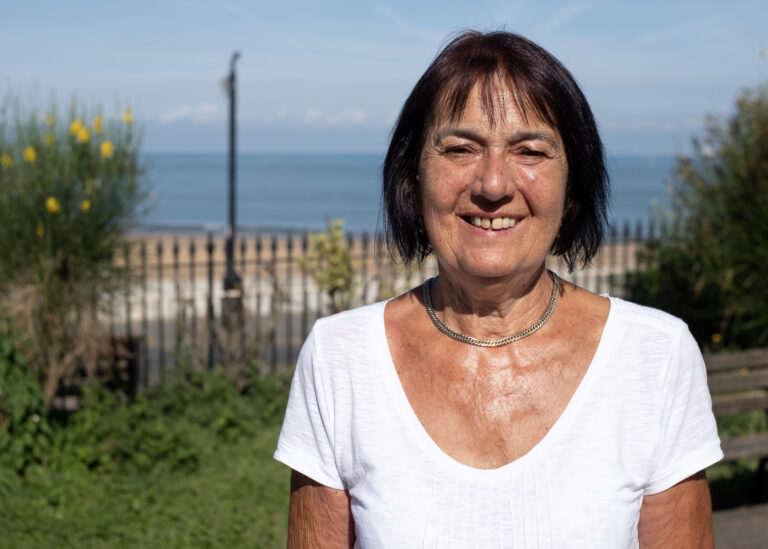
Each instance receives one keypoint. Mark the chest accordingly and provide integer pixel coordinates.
(488, 407)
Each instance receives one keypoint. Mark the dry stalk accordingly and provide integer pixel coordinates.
(60, 340)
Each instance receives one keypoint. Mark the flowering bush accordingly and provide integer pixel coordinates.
(69, 188)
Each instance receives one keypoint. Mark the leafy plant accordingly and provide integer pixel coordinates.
(69, 188)
(330, 263)
(709, 266)
(204, 478)
(163, 427)
(108, 434)
(25, 434)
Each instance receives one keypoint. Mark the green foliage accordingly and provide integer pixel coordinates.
(69, 188)
(108, 434)
(237, 497)
(25, 434)
(709, 267)
(188, 464)
(330, 263)
(162, 428)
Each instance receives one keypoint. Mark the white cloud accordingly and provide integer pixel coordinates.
(348, 117)
(561, 17)
(201, 113)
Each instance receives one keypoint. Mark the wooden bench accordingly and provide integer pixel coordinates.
(738, 383)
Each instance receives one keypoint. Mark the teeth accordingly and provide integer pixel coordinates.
(496, 223)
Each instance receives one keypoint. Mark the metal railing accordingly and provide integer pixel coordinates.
(171, 301)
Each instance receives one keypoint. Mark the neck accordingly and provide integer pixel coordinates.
(492, 308)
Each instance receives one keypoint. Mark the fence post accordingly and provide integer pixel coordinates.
(144, 319)
(127, 289)
(258, 290)
(273, 310)
(179, 316)
(210, 316)
(193, 287)
(304, 288)
(289, 297)
(242, 323)
(160, 315)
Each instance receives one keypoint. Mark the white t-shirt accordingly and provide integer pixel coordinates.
(639, 422)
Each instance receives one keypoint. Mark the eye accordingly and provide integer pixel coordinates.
(458, 149)
(532, 152)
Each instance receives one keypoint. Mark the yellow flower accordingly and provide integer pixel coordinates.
(716, 338)
(30, 155)
(6, 161)
(85, 205)
(83, 135)
(128, 117)
(75, 126)
(52, 205)
(49, 121)
(48, 139)
(40, 230)
(107, 150)
(97, 124)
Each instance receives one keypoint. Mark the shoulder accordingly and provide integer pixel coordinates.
(657, 344)
(351, 320)
(348, 332)
(646, 322)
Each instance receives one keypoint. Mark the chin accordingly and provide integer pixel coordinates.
(491, 269)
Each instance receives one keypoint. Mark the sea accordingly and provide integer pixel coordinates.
(188, 192)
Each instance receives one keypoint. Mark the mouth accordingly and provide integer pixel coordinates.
(491, 223)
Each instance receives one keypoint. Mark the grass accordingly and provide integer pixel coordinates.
(237, 498)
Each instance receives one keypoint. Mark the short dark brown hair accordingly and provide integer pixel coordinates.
(542, 86)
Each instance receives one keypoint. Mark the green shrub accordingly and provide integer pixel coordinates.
(709, 266)
(330, 263)
(25, 434)
(69, 188)
(108, 434)
(169, 426)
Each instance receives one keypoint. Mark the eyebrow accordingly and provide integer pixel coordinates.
(528, 135)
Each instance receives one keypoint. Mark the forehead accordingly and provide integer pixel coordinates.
(494, 99)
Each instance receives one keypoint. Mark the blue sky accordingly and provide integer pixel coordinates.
(330, 76)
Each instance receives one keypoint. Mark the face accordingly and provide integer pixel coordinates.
(492, 195)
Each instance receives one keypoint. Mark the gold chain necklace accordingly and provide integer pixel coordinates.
(492, 342)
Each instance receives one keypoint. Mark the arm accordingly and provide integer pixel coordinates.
(679, 517)
(318, 517)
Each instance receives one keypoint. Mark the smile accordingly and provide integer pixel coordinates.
(495, 224)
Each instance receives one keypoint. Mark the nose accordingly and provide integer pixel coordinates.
(494, 181)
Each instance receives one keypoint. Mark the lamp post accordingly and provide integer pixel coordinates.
(232, 303)
(231, 279)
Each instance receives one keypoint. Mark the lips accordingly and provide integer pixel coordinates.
(492, 223)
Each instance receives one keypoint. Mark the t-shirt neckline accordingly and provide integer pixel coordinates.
(406, 412)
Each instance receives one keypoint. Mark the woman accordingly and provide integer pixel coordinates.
(496, 405)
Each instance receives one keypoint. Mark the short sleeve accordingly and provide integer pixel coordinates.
(688, 440)
(306, 439)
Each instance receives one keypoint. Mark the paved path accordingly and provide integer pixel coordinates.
(742, 528)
